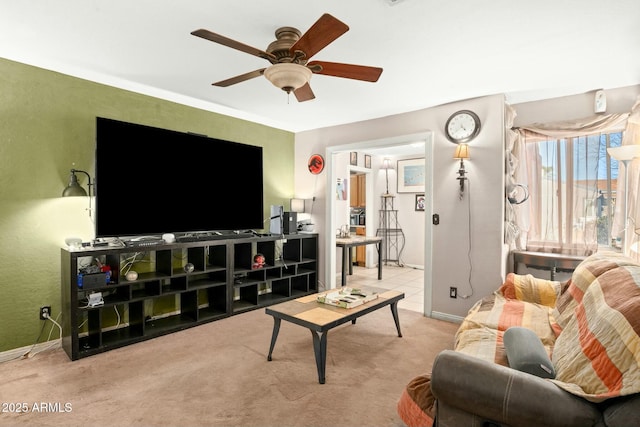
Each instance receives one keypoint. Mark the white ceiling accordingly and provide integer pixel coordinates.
(432, 52)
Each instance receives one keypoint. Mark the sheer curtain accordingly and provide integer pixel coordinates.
(556, 218)
(517, 214)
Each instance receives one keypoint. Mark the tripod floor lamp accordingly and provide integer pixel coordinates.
(625, 154)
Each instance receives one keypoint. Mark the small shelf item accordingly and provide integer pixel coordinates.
(258, 261)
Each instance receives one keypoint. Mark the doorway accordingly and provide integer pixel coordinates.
(361, 220)
(332, 176)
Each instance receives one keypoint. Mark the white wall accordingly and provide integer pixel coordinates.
(448, 256)
(619, 100)
(482, 209)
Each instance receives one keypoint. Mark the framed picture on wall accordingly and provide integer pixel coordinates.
(420, 202)
(367, 161)
(353, 160)
(411, 175)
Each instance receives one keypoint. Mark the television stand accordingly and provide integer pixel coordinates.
(177, 286)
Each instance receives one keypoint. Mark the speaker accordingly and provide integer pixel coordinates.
(276, 219)
(290, 222)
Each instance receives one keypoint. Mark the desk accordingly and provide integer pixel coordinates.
(546, 261)
(347, 243)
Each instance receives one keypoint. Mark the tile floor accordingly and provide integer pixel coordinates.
(405, 279)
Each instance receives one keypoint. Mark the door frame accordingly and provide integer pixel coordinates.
(330, 248)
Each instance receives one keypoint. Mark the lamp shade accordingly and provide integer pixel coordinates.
(288, 76)
(297, 205)
(73, 189)
(624, 152)
(386, 164)
(462, 152)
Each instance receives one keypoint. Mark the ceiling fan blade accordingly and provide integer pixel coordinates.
(348, 71)
(225, 41)
(324, 31)
(241, 78)
(304, 93)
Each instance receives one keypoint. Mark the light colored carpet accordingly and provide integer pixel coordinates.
(218, 375)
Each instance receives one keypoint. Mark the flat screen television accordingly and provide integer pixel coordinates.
(151, 181)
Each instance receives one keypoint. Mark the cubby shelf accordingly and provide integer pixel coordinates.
(165, 297)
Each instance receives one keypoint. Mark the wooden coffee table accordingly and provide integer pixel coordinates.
(319, 318)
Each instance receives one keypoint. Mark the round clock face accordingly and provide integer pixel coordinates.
(462, 126)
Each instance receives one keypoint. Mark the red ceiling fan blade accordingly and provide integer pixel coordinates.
(225, 41)
(347, 71)
(304, 93)
(324, 31)
(241, 78)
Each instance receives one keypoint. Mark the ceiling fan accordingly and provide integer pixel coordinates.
(289, 55)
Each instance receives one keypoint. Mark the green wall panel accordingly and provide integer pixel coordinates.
(47, 126)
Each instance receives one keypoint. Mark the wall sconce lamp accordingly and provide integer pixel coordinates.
(74, 189)
(462, 152)
(297, 205)
(386, 165)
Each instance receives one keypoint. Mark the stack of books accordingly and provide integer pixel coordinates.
(347, 297)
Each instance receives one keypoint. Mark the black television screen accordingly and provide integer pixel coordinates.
(152, 181)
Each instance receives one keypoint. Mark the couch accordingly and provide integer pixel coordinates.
(586, 336)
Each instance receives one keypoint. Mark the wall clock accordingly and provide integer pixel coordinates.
(462, 126)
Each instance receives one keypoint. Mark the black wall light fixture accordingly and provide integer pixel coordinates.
(74, 189)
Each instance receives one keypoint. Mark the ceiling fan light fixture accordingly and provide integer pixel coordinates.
(288, 76)
(289, 55)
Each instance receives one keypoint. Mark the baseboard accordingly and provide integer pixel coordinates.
(447, 317)
(29, 351)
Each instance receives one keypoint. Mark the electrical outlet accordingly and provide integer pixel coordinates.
(453, 292)
(45, 312)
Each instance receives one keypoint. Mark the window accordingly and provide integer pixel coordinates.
(571, 182)
(572, 186)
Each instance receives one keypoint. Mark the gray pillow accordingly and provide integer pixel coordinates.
(526, 353)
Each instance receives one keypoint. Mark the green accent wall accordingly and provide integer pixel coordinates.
(47, 126)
